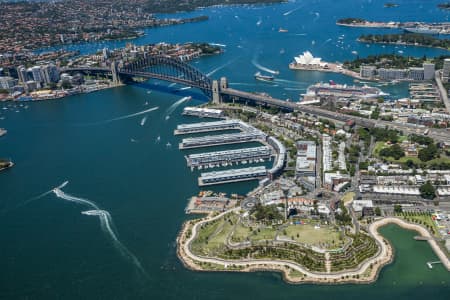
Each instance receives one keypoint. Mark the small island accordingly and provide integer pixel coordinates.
(409, 39)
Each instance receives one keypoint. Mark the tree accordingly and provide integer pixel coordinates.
(377, 211)
(398, 209)
(66, 85)
(394, 151)
(428, 153)
(427, 191)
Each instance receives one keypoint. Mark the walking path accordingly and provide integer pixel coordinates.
(365, 273)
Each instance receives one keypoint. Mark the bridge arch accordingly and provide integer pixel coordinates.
(169, 69)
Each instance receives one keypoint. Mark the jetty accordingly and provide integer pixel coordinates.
(228, 157)
(232, 175)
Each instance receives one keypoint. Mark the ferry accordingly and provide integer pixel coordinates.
(343, 90)
(259, 76)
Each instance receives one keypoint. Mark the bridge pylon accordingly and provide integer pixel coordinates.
(115, 73)
(215, 92)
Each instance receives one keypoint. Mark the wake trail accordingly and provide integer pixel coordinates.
(262, 68)
(293, 10)
(133, 115)
(60, 194)
(126, 116)
(36, 198)
(175, 105)
(105, 223)
(221, 67)
(144, 119)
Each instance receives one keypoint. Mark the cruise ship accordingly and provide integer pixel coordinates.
(422, 30)
(343, 90)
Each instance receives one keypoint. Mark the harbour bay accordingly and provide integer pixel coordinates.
(50, 250)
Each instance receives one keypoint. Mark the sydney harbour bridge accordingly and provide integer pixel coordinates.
(177, 71)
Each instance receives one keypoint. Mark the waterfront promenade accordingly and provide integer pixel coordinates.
(330, 68)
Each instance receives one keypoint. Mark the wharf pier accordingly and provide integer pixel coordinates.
(210, 126)
(228, 157)
(222, 139)
(232, 175)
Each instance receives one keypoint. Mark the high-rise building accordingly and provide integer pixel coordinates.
(428, 71)
(50, 73)
(7, 82)
(367, 71)
(36, 72)
(22, 74)
(416, 74)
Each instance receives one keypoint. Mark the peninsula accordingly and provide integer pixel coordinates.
(415, 27)
(28, 25)
(408, 39)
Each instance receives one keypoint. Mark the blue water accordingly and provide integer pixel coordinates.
(49, 250)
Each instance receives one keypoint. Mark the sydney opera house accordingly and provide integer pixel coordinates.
(308, 60)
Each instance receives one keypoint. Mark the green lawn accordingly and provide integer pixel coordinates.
(416, 160)
(322, 237)
(263, 234)
(212, 236)
(348, 197)
(421, 220)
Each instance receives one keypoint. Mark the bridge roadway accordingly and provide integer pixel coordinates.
(440, 135)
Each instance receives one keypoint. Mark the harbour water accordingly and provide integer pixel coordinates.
(125, 166)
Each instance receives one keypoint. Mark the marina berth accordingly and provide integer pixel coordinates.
(210, 126)
(228, 157)
(222, 139)
(203, 112)
(233, 175)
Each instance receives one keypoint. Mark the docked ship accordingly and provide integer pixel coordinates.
(343, 90)
(259, 76)
(422, 30)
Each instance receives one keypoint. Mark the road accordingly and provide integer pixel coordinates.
(442, 91)
(440, 135)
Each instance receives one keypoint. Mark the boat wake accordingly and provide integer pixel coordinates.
(292, 10)
(317, 16)
(144, 119)
(220, 67)
(289, 82)
(124, 117)
(36, 198)
(217, 44)
(105, 223)
(174, 106)
(133, 115)
(326, 42)
(262, 68)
